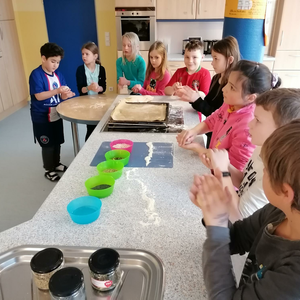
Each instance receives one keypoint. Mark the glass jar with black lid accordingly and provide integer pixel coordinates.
(44, 264)
(105, 269)
(67, 284)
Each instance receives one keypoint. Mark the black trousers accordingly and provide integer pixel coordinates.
(89, 130)
(51, 157)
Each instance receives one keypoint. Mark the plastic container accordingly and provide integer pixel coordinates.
(121, 145)
(96, 182)
(67, 284)
(44, 264)
(119, 155)
(84, 210)
(105, 269)
(110, 165)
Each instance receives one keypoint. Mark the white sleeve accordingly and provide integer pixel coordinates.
(251, 193)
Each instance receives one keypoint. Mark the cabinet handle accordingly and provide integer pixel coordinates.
(199, 6)
(192, 8)
(281, 38)
(289, 75)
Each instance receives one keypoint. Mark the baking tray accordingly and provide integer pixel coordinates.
(143, 274)
(142, 122)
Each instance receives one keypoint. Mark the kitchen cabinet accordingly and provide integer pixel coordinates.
(176, 9)
(190, 9)
(289, 79)
(135, 3)
(212, 9)
(6, 10)
(285, 43)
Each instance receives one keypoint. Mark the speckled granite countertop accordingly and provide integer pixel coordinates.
(149, 209)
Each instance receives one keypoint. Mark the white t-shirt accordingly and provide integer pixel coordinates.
(251, 193)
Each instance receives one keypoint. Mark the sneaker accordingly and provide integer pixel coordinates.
(52, 176)
(61, 168)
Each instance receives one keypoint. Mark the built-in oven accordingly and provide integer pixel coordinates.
(141, 21)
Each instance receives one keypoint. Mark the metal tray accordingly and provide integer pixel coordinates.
(143, 274)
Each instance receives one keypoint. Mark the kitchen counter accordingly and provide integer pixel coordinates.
(149, 209)
(207, 57)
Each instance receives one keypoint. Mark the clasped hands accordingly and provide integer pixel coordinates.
(208, 193)
(65, 92)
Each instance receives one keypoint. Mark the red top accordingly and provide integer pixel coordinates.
(153, 86)
(201, 79)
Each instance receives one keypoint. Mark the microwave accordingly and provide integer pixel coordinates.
(141, 21)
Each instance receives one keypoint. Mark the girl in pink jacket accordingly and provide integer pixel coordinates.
(157, 75)
(229, 124)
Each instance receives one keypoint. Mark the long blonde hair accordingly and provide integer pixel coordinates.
(135, 45)
(161, 49)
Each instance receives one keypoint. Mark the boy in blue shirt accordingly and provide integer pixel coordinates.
(47, 89)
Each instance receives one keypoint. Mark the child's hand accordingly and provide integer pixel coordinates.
(176, 86)
(93, 87)
(195, 189)
(136, 88)
(196, 147)
(63, 89)
(185, 137)
(100, 89)
(187, 94)
(123, 81)
(218, 159)
(205, 160)
(214, 200)
(68, 94)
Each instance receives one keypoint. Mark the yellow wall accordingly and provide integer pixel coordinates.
(105, 16)
(32, 31)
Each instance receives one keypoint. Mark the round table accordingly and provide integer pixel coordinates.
(83, 110)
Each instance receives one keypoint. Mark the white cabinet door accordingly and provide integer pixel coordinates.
(13, 62)
(176, 9)
(135, 3)
(289, 37)
(210, 9)
(290, 79)
(6, 10)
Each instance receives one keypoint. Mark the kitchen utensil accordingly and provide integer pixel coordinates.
(119, 155)
(121, 145)
(207, 46)
(84, 210)
(184, 43)
(100, 186)
(111, 165)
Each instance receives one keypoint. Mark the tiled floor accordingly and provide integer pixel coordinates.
(23, 187)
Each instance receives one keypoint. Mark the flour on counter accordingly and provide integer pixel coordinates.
(148, 158)
(153, 218)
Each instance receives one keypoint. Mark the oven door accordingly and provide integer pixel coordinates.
(143, 26)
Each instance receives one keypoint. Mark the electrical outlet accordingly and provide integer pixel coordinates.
(111, 89)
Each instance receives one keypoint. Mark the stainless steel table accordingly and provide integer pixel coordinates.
(84, 110)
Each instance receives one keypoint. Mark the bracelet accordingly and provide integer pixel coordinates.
(226, 174)
(87, 89)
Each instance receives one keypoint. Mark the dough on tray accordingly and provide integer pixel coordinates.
(139, 99)
(139, 112)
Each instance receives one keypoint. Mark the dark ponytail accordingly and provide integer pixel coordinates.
(257, 78)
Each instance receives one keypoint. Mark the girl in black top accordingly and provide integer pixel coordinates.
(90, 77)
(225, 54)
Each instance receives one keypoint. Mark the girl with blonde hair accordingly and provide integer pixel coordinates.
(131, 66)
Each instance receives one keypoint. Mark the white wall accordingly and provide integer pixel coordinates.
(172, 33)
